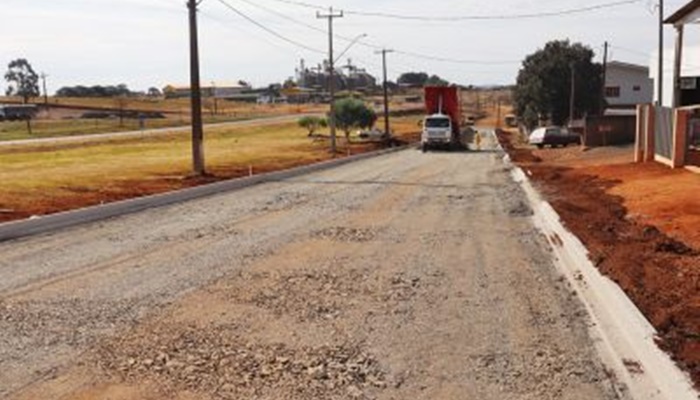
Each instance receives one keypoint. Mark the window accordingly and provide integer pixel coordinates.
(636, 88)
(437, 123)
(612, 91)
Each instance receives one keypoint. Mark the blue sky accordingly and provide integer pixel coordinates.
(143, 43)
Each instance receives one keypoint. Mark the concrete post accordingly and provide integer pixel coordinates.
(650, 134)
(680, 138)
(639, 140)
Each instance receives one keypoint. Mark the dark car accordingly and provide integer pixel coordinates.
(554, 136)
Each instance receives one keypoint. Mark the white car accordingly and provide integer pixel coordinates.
(553, 136)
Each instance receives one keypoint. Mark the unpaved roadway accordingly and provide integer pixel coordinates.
(95, 137)
(409, 276)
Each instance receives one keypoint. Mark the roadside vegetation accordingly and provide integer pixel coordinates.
(46, 178)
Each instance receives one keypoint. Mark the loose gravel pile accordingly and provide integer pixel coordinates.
(221, 364)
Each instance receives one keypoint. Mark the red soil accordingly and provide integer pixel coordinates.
(641, 224)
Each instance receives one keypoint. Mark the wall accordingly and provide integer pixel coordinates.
(626, 79)
(609, 130)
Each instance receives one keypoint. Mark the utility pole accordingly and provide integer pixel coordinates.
(387, 132)
(196, 94)
(573, 93)
(498, 113)
(43, 83)
(605, 73)
(660, 74)
(331, 73)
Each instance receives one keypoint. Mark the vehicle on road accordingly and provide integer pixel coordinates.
(553, 136)
(441, 126)
(17, 112)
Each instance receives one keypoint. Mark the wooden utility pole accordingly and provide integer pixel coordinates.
(331, 71)
(572, 100)
(605, 74)
(498, 113)
(196, 94)
(387, 132)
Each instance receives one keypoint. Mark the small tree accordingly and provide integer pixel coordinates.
(353, 113)
(312, 124)
(22, 80)
(154, 92)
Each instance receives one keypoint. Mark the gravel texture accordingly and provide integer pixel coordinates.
(407, 276)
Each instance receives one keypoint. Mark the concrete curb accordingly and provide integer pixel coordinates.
(622, 335)
(52, 222)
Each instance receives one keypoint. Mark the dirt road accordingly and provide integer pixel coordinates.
(406, 276)
(97, 137)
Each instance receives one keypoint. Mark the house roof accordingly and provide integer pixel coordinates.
(624, 65)
(683, 12)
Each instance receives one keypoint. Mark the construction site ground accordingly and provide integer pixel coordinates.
(641, 224)
(406, 276)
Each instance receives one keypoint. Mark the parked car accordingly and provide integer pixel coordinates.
(370, 134)
(554, 136)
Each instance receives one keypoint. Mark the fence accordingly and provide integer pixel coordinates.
(609, 130)
(670, 136)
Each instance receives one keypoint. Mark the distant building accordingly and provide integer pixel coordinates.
(220, 90)
(627, 85)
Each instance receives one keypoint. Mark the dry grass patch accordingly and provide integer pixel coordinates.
(40, 179)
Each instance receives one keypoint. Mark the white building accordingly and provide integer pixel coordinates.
(627, 85)
(690, 68)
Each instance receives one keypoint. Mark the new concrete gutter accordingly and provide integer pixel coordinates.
(622, 335)
(52, 222)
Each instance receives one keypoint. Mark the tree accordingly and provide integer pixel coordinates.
(22, 80)
(154, 92)
(312, 124)
(352, 113)
(413, 79)
(544, 82)
(435, 80)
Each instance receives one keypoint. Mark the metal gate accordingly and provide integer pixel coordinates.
(664, 132)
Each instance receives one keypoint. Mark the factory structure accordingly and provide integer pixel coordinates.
(347, 77)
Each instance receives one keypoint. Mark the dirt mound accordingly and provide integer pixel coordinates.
(659, 273)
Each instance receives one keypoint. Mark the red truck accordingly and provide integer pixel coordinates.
(442, 123)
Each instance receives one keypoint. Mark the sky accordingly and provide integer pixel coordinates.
(144, 43)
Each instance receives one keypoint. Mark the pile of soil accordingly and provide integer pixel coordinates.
(660, 274)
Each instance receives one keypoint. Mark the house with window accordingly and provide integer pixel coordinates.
(627, 85)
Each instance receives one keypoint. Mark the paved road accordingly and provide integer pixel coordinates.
(150, 132)
(408, 276)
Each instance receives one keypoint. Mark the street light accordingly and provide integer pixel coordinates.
(352, 43)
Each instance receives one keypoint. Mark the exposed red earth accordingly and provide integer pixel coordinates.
(641, 224)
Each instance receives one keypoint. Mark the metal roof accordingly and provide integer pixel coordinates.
(683, 12)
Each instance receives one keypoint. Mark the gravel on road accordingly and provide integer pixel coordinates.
(405, 276)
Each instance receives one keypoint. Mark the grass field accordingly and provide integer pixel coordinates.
(40, 179)
(66, 122)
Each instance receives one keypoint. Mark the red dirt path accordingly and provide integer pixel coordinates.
(641, 224)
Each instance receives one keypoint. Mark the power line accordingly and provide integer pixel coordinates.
(457, 18)
(455, 60)
(268, 30)
(373, 46)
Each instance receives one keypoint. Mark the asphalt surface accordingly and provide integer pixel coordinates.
(405, 276)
